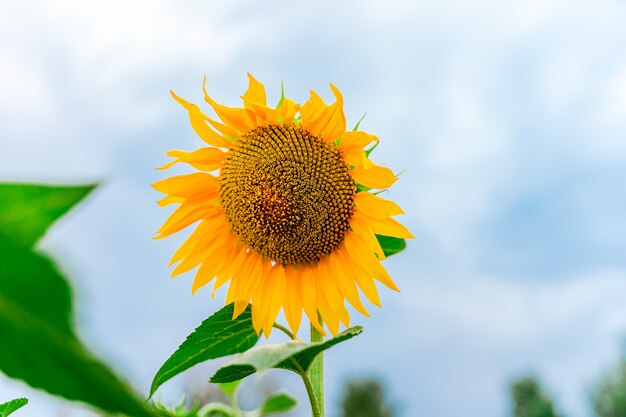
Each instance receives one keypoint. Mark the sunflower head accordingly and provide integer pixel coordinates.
(286, 209)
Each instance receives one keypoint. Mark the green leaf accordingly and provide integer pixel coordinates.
(31, 281)
(48, 356)
(28, 210)
(391, 245)
(279, 402)
(11, 406)
(39, 345)
(216, 337)
(294, 356)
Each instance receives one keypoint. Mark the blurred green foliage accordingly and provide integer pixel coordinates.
(39, 344)
(609, 397)
(276, 403)
(529, 400)
(28, 210)
(365, 398)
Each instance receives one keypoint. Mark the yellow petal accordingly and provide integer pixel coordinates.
(188, 185)
(242, 120)
(320, 119)
(376, 207)
(235, 292)
(253, 281)
(380, 274)
(246, 266)
(312, 109)
(226, 274)
(273, 297)
(254, 99)
(345, 282)
(260, 305)
(375, 177)
(358, 223)
(198, 123)
(212, 268)
(357, 139)
(225, 130)
(389, 227)
(204, 159)
(185, 215)
(257, 313)
(369, 264)
(287, 110)
(240, 307)
(264, 114)
(308, 294)
(354, 254)
(354, 156)
(259, 298)
(255, 93)
(191, 242)
(167, 200)
(210, 245)
(292, 305)
(196, 238)
(335, 125)
(328, 315)
(328, 287)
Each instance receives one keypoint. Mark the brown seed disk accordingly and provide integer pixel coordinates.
(287, 194)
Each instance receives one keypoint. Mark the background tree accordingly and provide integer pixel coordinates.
(529, 400)
(609, 398)
(365, 398)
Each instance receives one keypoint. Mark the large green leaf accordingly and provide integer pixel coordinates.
(217, 336)
(27, 210)
(391, 245)
(46, 358)
(11, 406)
(31, 281)
(39, 345)
(294, 356)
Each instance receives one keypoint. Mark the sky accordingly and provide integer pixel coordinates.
(508, 117)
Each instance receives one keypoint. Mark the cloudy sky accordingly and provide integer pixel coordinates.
(509, 118)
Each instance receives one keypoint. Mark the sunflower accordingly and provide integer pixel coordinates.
(284, 209)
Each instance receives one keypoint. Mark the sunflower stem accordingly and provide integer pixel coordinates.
(317, 371)
(315, 408)
(284, 330)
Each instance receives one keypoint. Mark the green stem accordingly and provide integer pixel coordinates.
(315, 409)
(317, 370)
(284, 330)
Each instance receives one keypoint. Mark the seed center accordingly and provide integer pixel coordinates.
(287, 194)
